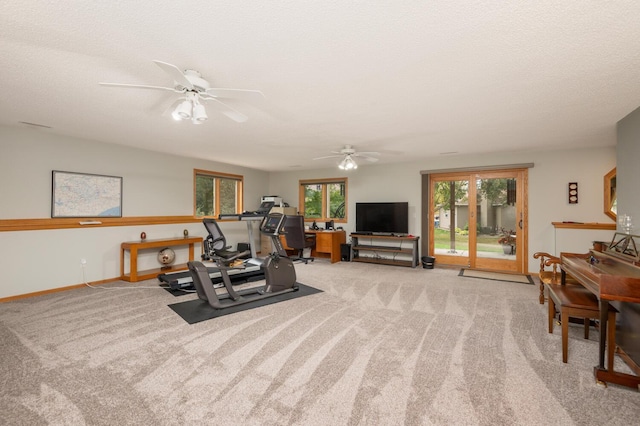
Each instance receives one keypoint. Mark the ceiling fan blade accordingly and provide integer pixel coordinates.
(326, 156)
(175, 73)
(225, 109)
(243, 94)
(365, 153)
(139, 86)
(366, 156)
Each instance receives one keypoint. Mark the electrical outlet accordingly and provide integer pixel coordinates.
(83, 261)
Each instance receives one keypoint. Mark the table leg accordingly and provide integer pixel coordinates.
(335, 248)
(611, 345)
(604, 316)
(133, 273)
(121, 263)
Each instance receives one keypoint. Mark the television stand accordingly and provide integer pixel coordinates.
(385, 249)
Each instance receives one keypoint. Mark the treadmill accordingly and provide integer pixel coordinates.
(182, 280)
(252, 271)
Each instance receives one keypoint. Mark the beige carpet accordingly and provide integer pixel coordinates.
(382, 345)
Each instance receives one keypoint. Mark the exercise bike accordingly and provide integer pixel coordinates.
(280, 274)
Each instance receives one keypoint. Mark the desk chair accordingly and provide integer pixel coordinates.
(216, 244)
(296, 238)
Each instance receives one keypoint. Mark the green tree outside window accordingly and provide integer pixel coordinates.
(324, 199)
(217, 193)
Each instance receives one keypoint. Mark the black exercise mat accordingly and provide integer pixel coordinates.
(197, 310)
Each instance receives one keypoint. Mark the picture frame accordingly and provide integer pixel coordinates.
(573, 192)
(85, 195)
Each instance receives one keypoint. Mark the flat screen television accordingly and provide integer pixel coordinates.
(382, 218)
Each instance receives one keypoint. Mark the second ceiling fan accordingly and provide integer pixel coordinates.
(348, 155)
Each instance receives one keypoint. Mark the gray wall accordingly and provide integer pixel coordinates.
(156, 184)
(628, 173)
(628, 177)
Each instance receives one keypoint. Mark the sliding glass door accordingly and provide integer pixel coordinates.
(451, 221)
(478, 219)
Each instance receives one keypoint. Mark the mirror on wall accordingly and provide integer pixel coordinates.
(610, 195)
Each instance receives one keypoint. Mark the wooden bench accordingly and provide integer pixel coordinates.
(575, 301)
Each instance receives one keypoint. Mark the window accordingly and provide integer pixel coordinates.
(323, 199)
(217, 193)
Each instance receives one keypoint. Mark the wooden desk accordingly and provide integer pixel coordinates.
(134, 246)
(327, 244)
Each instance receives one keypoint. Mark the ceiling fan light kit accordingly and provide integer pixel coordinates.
(347, 163)
(199, 114)
(182, 111)
(190, 109)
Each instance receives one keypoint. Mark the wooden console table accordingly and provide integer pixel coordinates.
(134, 246)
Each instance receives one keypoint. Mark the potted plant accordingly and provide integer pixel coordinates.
(508, 241)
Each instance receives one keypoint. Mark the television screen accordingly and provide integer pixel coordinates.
(383, 218)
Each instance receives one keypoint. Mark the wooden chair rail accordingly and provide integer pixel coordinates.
(7, 225)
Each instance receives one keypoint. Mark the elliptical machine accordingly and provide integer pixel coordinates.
(278, 269)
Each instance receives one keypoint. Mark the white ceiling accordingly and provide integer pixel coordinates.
(411, 79)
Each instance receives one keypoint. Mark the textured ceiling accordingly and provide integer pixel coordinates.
(411, 79)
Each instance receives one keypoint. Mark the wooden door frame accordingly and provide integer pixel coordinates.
(522, 189)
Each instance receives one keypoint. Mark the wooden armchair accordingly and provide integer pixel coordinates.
(549, 276)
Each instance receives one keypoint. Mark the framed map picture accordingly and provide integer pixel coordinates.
(85, 195)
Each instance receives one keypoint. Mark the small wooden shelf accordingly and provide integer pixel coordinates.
(384, 254)
(134, 246)
(586, 225)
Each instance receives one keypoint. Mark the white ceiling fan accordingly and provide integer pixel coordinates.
(194, 88)
(348, 153)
